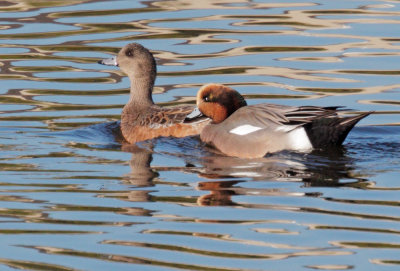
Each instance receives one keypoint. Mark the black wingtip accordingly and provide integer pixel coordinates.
(331, 132)
(347, 124)
(352, 121)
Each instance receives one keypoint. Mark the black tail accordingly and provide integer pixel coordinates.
(331, 131)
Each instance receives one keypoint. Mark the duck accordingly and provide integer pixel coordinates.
(141, 118)
(253, 131)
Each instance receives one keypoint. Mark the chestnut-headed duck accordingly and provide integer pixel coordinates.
(251, 131)
(141, 119)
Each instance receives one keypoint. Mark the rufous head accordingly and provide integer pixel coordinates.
(218, 102)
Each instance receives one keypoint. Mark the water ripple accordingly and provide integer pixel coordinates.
(75, 196)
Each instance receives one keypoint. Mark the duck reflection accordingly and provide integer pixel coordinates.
(317, 169)
(260, 169)
(223, 175)
(141, 174)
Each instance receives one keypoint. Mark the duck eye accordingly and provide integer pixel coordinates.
(129, 53)
(209, 98)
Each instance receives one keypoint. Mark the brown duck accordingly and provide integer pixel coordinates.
(141, 119)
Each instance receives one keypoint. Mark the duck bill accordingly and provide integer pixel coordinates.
(194, 114)
(109, 61)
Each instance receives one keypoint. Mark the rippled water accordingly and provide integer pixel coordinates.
(73, 198)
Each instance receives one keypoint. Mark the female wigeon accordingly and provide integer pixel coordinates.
(251, 131)
(141, 119)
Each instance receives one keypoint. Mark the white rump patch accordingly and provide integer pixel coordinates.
(244, 129)
(298, 139)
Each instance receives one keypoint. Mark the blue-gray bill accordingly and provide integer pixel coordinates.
(109, 61)
(194, 114)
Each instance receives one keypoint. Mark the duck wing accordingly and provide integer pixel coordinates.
(323, 125)
(268, 114)
(157, 116)
(253, 131)
(331, 131)
(176, 114)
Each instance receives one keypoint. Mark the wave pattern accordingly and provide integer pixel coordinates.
(72, 197)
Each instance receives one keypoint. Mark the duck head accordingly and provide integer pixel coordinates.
(218, 102)
(135, 61)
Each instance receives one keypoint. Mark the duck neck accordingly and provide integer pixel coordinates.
(141, 92)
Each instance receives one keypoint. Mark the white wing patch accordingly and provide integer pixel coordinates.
(244, 129)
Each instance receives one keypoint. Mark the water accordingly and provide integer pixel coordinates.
(73, 198)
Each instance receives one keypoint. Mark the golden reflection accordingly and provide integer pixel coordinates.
(223, 4)
(299, 251)
(373, 230)
(385, 261)
(331, 267)
(26, 5)
(350, 214)
(374, 245)
(185, 266)
(117, 210)
(32, 265)
(187, 249)
(275, 231)
(206, 4)
(88, 13)
(40, 232)
(151, 260)
(394, 103)
(323, 59)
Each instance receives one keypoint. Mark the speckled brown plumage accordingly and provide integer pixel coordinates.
(155, 121)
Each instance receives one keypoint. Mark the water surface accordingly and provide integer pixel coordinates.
(72, 197)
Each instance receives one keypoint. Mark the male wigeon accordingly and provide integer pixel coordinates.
(252, 131)
(141, 119)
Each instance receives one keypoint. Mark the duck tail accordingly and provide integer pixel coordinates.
(331, 131)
